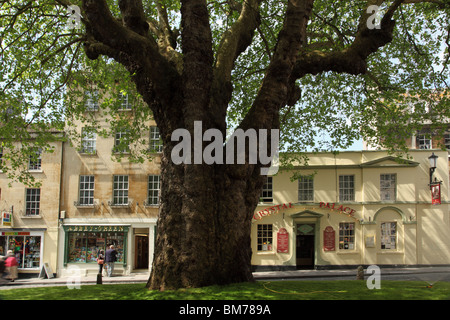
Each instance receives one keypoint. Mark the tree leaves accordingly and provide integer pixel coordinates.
(45, 73)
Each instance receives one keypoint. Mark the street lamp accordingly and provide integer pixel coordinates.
(433, 163)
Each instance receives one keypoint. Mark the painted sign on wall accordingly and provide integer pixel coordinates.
(283, 241)
(271, 210)
(329, 239)
(337, 207)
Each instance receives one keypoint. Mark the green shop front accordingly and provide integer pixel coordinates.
(82, 244)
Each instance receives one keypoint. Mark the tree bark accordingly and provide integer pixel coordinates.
(204, 226)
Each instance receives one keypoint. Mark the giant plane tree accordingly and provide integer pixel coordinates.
(324, 73)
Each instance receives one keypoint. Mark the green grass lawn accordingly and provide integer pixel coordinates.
(260, 290)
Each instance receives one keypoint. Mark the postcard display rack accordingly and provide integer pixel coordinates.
(32, 252)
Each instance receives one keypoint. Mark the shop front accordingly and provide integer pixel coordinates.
(83, 242)
(332, 236)
(27, 246)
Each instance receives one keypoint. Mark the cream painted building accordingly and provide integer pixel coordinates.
(29, 222)
(105, 201)
(87, 201)
(351, 209)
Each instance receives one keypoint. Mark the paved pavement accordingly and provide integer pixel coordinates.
(426, 274)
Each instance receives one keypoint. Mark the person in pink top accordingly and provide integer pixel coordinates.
(11, 265)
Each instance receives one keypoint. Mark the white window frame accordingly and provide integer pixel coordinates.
(118, 136)
(91, 100)
(389, 235)
(155, 140)
(22, 265)
(88, 141)
(346, 188)
(86, 190)
(388, 186)
(125, 104)
(121, 184)
(423, 142)
(267, 191)
(447, 141)
(154, 187)
(347, 231)
(306, 189)
(32, 201)
(35, 164)
(264, 237)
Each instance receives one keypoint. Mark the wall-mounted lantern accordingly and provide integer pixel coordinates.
(433, 164)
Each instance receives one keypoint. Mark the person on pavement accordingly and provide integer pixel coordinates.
(11, 265)
(110, 258)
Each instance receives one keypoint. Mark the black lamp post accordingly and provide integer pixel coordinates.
(433, 164)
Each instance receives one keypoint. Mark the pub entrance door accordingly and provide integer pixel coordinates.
(305, 246)
(141, 251)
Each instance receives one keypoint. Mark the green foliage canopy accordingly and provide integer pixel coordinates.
(45, 72)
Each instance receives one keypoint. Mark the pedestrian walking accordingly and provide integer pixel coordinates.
(100, 261)
(110, 258)
(11, 265)
(2, 267)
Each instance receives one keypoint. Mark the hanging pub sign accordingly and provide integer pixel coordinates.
(283, 241)
(7, 219)
(436, 193)
(329, 239)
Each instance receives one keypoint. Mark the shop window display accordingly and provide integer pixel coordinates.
(26, 249)
(346, 236)
(389, 235)
(84, 246)
(3, 242)
(264, 237)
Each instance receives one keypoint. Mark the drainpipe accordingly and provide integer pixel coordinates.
(59, 223)
(363, 249)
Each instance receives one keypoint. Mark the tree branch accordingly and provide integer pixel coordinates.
(273, 94)
(105, 28)
(352, 59)
(133, 16)
(167, 38)
(197, 59)
(276, 85)
(234, 41)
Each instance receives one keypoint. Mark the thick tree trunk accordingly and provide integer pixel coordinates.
(204, 223)
(204, 226)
